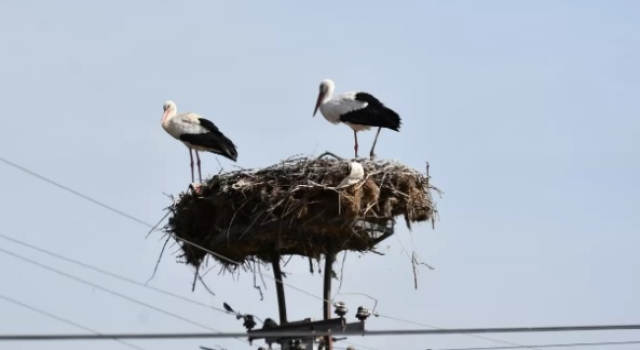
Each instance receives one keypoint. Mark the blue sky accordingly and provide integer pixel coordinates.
(526, 110)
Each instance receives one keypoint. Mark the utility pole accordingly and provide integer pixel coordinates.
(326, 295)
(277, 275)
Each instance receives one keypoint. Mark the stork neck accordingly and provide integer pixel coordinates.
(168, 115)
(327, 96)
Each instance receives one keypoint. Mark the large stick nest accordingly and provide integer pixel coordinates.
(300, 206)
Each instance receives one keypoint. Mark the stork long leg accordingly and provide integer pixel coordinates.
(191, 156)
(199, 170)
(375, 140)
(355, 137)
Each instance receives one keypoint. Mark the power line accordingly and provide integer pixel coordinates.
(519, 346)
(564, 345)
(111, 274)
(55, 317)
(45, 179)
(78, 279)
(296, 334)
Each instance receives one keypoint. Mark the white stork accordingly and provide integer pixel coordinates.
(197, 133)
(359, 110)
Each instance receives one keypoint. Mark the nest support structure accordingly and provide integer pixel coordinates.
(301, 206)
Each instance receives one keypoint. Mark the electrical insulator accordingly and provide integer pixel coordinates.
(363, 313)
(341, 309)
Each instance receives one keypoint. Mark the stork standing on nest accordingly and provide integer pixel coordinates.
(359, 110)
(197, 133)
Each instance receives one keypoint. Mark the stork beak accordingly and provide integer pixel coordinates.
(315, 110)
(164, 115)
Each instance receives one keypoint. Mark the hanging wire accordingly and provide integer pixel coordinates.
(562, 345)
(111, 274)
(63, 320)
(469, 335)
(97, 286)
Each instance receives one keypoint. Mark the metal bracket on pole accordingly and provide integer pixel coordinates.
(334, 325)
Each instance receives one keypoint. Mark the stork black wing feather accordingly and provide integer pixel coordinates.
(368, 98)
(214, 140)
(208, 124)
(374, 114)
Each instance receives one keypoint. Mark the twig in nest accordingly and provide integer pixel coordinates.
(195, 279)
(329, 154)
(285, 264)
(427, 265)
(220, 164)
(250, 226)
(155, 269)
(344, 258)
(427, 173)
(256, 286)
(204, 284)
(206, 272)
(414, 265)
(315, 148)
(415, 272)
(264, 284)
(157, 224)
(168, 209)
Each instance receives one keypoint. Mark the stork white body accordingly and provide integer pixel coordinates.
(333, 108)
(184, 123)
(197, 133)
(359, 110)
